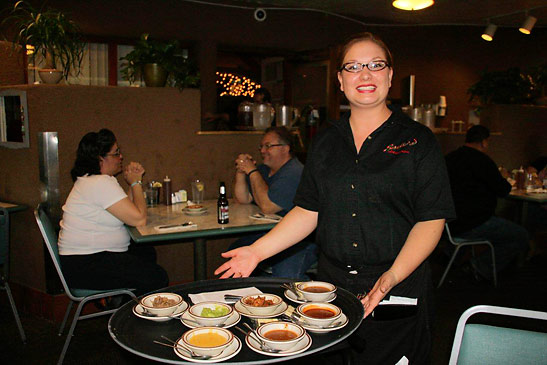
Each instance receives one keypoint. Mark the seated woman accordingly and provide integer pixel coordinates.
(93, 242)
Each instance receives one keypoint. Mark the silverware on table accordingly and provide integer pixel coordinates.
(176, 225)
(291, 287)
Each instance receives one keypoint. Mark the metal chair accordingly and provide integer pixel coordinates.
(461, 242)
(486, 344)
(82, 296)
(4, 261)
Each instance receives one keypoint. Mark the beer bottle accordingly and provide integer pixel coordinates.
(222, 206)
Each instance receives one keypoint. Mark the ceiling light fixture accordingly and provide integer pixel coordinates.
(528, 24)
(488, 33)
(412, 4)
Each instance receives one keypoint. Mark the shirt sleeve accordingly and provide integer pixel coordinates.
(107, 192)
(307, 194)
(433, 196)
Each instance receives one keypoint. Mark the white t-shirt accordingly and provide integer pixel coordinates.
(87, 227)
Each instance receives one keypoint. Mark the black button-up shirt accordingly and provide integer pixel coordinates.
(369, 201)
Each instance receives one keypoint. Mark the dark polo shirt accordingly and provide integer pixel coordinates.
(369, 201)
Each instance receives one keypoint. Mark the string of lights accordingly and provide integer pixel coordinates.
(234, 85)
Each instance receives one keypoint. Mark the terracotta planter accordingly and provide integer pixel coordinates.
(154, 75)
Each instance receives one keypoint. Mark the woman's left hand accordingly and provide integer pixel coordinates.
(384, 284)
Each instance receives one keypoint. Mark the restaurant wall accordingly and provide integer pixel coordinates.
(154, 126)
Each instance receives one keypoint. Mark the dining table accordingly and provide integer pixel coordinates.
(137, 334)
(525, 198)
(185, 225)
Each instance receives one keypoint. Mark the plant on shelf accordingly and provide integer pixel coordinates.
(504, 87)
(52, 34)
(158, 63)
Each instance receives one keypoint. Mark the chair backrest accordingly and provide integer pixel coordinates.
(448, 234)
(50, 239)
(486, 344)
(4, 234)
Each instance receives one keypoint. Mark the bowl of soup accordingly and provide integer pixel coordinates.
(261, 304)
(161, 304)
(316, 291)
(280, 335)
(319, 313)
(210, 313)
(207, 340)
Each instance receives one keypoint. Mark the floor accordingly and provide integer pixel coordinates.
(524, 287)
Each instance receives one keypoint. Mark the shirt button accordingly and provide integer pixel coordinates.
(354, 244)
(369, 137)
(352, 187)
(356, 161)
(353, 214)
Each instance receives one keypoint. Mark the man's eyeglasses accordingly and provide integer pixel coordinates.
(115, 154)
(358, 67)
(269, 145)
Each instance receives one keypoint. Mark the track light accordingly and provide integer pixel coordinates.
(412, 4)
(528, 24)
(488, 33)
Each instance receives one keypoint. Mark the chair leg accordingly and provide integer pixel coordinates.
(71, 330)
(15, 313)
(494, 274)
(69, 307)
(448, 267)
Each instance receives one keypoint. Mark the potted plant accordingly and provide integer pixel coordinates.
(156, 62)
(52, 35)
(503, 87)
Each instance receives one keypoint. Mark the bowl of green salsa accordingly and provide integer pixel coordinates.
(210, 313)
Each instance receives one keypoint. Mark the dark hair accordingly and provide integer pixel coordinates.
(92, 146)
(477, 133)
(284, 136)
(267, 96)
(362, 37)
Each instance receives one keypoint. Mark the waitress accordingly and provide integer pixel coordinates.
(375, 186)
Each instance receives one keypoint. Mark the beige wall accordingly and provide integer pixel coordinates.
(155, 126)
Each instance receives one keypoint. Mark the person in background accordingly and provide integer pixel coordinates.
(93, 242)
(375, 186)
(476, 184)
(262, 95)
(272, 186)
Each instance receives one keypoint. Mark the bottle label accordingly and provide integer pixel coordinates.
(223, 212)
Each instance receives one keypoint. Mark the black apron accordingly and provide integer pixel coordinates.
(387, 341)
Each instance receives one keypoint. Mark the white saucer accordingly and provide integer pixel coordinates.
(299, 347)
(289, 294)
(232, 320)
(343, 318)
(229, 352)
(194, 212)
(241, 309)
(138, 310)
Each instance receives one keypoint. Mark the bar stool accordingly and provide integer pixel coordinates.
(4, 261)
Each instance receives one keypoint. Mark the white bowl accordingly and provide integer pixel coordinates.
(196, 310)
(310, 290)
(265, 310)
(280, 344)
(309, 317)
(189, 338)
(148, 304)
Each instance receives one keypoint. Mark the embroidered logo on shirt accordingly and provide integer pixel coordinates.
(397, 150)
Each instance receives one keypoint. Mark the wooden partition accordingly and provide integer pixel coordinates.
(154, 126)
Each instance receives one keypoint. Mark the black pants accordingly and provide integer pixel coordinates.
(133, 269)
(387, 341)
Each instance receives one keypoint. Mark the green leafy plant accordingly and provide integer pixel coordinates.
(504, 87)
(182, 72)
(52, 33)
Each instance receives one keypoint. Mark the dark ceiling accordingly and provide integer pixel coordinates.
(509, 13)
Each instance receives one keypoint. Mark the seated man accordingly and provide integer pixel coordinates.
(476, 184)
(272, 186)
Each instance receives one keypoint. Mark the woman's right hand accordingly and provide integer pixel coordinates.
(243, 261)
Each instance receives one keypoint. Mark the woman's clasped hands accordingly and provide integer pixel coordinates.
(133, 172)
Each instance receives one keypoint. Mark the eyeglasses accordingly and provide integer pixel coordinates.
(269, 145)
(358, 67)
(115, 154)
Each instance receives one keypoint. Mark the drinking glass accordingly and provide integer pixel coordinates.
(198, 190)
(151, 195)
